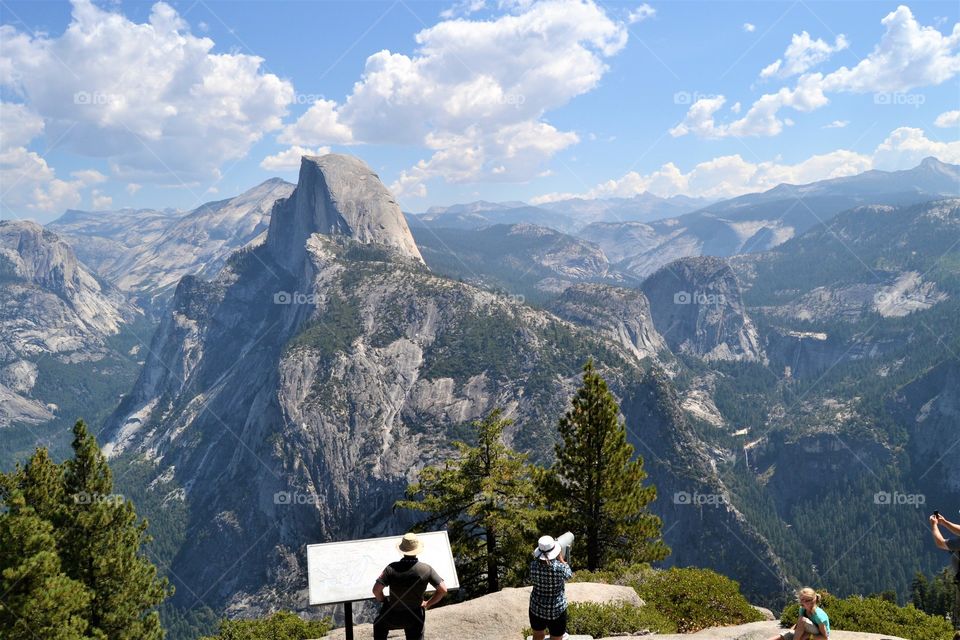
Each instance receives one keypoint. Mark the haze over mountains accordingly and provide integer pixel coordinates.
(310, 342)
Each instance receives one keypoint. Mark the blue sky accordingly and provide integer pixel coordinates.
(138, 104)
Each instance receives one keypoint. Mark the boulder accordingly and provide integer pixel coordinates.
(497, 616)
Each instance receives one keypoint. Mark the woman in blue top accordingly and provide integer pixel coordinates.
(813, 621)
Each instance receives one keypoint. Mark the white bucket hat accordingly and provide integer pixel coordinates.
(410, 545)
(547, 548)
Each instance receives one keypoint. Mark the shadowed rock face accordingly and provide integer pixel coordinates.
(338, 196)
(697, 308)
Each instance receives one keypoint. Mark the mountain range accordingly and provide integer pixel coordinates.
(781, 360)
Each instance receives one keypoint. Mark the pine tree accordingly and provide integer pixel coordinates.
(487, 498)
(37, 600)
(596, 485)
(94, 540)
(101, 544)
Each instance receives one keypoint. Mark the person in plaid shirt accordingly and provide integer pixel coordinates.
(548, 600)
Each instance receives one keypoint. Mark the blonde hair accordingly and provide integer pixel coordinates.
(807, 592)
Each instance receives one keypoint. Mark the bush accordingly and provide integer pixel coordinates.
(695, 599)
(876, 615)
(692, 599)
(280, 626)
(603, 620)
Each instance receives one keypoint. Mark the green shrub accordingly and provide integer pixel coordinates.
(629, 575)
(695, 599)
(692, 599)
(280, 626)
(876, 615)
(603, 620)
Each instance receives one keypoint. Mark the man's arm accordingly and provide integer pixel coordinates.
(938, 538)
(952, 527)
(378, 591)
(437, 596)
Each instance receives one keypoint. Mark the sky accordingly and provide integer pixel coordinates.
(109, 105)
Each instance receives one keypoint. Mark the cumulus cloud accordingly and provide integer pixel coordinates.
(837, 124)
(474, 93)
(150, 96)
(28, 185)
(749, 27)
(641, 13)
(907, 56)
(730, 176)
(948, 119)
(803, 53)
(905, 147)
(290, 159)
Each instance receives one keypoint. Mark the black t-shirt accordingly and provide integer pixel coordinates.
(408, 579)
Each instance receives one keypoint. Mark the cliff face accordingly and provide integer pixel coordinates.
(338, 196)
(698, 310)
(623, 315)
(292, 399)
(57, 322)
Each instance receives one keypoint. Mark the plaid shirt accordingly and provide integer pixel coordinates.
(548, 599)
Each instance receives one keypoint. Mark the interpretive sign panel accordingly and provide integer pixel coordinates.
(346, 571)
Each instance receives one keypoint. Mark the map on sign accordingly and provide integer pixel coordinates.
(346, 571)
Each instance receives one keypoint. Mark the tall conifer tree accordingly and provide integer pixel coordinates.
(596, 484)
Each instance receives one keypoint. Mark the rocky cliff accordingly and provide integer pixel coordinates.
(56, 320)
(697, 308)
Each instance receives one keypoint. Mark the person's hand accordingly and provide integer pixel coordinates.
(934, 519)
(423, 605)
(940, 518)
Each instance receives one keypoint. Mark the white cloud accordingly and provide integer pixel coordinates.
(290, 159)
(837, 124)
(463, 8)
(474, 93)
(18, 125)
(908, 55)
(641, 13)
(803, 53)
(905, 147)
(143, 94)
(948, 119)
(730, 176)
(101, 201)
(89, 176)
(749, 28)
(133, 187)
(30, 185)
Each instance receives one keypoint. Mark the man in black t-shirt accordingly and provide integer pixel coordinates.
(408, 579)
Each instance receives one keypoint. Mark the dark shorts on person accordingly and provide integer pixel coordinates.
(399, 617)
(557, 627)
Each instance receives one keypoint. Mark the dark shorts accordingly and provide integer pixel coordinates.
(557, 627)
(411, 619)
